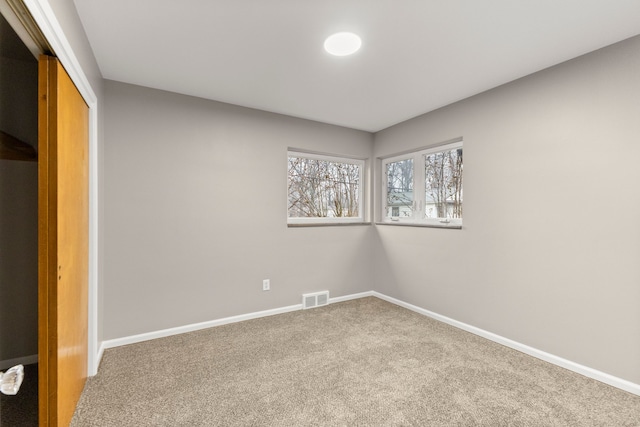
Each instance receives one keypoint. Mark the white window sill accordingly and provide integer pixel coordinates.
(418, 224)
(325, 224)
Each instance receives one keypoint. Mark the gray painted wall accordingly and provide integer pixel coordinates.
(550, 249)
(18, 201)
(195, 213)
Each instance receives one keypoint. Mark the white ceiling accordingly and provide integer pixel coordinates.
(416, 55)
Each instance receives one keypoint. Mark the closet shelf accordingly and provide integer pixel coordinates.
(12, 148)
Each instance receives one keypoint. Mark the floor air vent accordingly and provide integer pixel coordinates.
(316, 299)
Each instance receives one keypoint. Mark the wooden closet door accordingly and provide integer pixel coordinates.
(63, 230)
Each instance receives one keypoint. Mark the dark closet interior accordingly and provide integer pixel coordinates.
(18, 223)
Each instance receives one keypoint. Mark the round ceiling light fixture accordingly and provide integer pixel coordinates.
(342, 44)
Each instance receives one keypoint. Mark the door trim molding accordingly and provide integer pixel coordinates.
(46, 20)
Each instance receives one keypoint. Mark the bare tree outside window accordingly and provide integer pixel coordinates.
(400, 188)
(424, 187)
(443, 184)
(320, 188)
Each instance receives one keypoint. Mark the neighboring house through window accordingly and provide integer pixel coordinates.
(424, 187)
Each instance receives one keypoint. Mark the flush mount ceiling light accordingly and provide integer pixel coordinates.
(342, 44)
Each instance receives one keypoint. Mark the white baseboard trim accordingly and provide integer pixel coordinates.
(350, 297)
(25, 360)
(117, 342)
(539, 354)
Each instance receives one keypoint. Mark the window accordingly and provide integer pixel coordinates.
(424, 187)
(324, 189)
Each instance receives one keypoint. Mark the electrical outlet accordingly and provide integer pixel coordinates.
(266, 285)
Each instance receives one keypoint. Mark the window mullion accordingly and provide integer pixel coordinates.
(385, 181)
(419, 186)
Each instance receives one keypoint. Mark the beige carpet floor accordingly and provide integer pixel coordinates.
(364, 362)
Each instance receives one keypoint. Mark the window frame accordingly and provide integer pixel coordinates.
(419, 188)
(361, 163)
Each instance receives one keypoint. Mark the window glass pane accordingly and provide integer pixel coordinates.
(443, 183)
(400, 189)
(323, 188)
